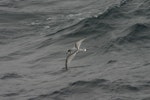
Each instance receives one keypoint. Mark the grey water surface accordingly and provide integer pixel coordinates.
(35, 35)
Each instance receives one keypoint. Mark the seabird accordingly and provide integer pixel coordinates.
(72, 52)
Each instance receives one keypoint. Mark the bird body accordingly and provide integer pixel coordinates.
(72, 52)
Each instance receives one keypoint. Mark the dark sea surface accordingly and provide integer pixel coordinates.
(35, 35)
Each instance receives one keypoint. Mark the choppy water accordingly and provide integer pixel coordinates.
(34, 37)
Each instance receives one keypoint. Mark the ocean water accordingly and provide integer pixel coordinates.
(35, 35)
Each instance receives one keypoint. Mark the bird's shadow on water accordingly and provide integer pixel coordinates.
(83, 66)
(63, 70)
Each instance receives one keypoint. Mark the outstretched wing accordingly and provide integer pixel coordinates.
(69, 58)
(78, 43)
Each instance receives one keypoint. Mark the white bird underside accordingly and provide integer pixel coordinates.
(73, 52)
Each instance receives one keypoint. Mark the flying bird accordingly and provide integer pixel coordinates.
(72, 52)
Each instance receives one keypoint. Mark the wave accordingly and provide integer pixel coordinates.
(10, 76)
(94, 24)
(147, 98)
(87, 87)
(116, 11)
(7, 16)
(143, 9)
(15, 55)
(100, 24)
(104, 25)
(137, 32)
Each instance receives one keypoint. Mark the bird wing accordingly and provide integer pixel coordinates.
(70, 57)
(78, 43)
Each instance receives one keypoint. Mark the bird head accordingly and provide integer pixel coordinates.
(68, 51)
